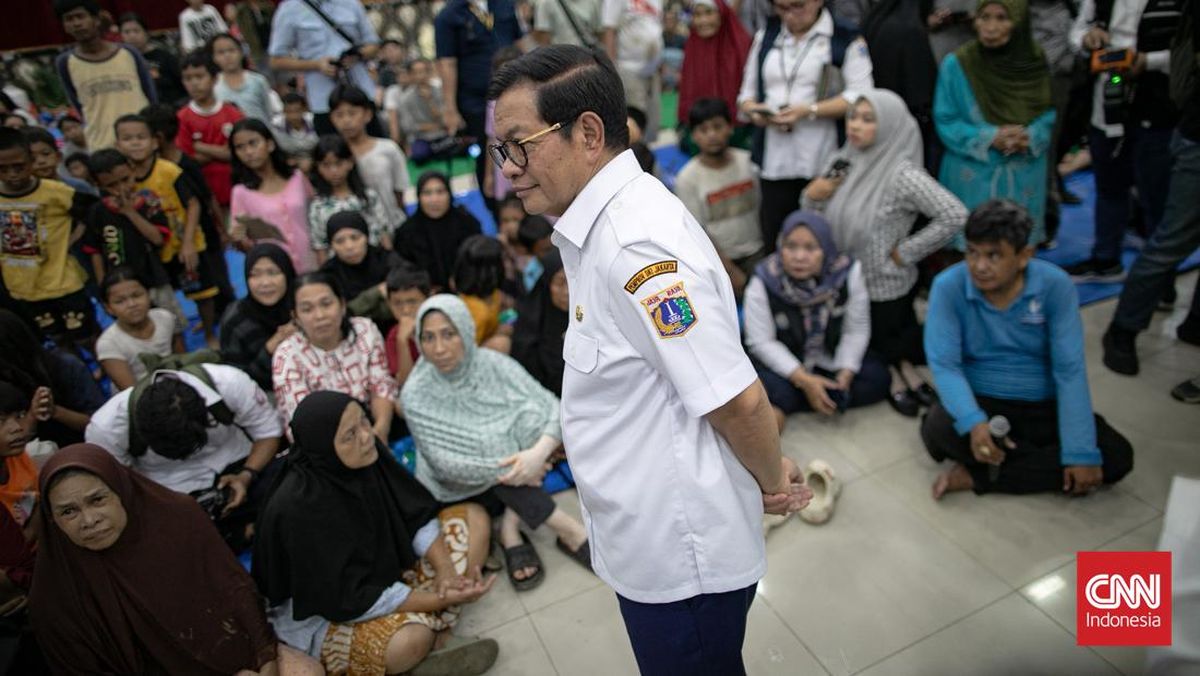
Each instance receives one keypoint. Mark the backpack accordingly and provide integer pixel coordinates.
(843, 35)
(191, 364)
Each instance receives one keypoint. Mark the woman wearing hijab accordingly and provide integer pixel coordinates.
(542, 319)
(253, 327)
(359, 568)
(873, 190)
(808, 323)
(902, 61)
(994, 114)
(484, 430)
(431, 237)
(714, 58)
(360, 267)
(131, 578)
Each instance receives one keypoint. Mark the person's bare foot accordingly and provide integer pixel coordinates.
(957, 478)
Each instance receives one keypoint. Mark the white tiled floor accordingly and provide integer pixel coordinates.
(896, 583)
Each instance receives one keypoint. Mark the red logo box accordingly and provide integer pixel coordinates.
(1123, 598)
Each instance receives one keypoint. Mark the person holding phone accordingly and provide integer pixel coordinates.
(872, 193)
(804, 71)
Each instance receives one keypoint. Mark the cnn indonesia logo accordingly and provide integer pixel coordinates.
(1123, 598)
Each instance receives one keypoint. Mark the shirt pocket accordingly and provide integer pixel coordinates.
(581, 352)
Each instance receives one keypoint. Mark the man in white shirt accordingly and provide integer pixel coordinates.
(190, 436)
(670, 435)
(633, 39)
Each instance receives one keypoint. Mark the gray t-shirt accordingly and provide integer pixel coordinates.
(114, 343)
(724, 202)
(550, 17)
(385, 168)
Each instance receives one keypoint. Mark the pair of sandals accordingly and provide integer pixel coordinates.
(525, 556)
(908, 402)
(825, 486)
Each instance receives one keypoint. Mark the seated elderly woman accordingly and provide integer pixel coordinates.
(332, 351)
(132, 579)
(359, 567)
(484, 430)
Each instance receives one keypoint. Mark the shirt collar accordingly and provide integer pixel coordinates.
(587, 206)
(1034, 284)
(823, 26)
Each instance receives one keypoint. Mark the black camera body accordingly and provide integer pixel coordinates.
(1117, 96)
(213, 500)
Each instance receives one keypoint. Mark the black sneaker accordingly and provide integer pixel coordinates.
(1120, 352)
(1188, 391)
(905, 402)
(1094, 270)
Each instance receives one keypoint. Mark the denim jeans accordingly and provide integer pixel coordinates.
(1175, 239)
(1142, 158)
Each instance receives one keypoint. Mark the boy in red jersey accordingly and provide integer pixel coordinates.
(204, 124)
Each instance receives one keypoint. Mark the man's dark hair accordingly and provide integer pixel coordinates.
(61, 7)
(200, 57)
(637, 115)
(171, 418)
(409, 276)
(104, 161)
(134, 17)
(479, 269)
(570, 80)
(78, 156)
(533, 229)
(12, 400)
(13, 138)
(999, 221)
(706, 109)
(390, 41)
(645, 156)
(39, 135)
(293, 97)
(131, 118)
(162, 120)
(351, 96)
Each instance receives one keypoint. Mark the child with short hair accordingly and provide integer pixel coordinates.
(509, 213)
(249, 91)
(381, 163)
(294, 131)
(74, 140)
(18, 472)
(139, 328)
(36, 220)
(204, 124)
(128, 228)
(720, 188)
(338, 187)
(47, 160)
(76, 165)
(188, 270)
(478, 272)
(407, 287)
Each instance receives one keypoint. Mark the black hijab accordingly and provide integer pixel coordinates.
(370, 271)
(275, 316)
(432, 243)
(901, 57)
(538, 336)
(331, 538)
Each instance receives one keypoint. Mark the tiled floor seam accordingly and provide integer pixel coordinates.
(542, 642)
(764, 601)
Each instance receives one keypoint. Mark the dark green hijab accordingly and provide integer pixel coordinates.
(1011, 83)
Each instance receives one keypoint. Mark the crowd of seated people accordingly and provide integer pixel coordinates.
(135, 472)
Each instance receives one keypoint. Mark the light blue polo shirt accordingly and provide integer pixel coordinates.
(298, 31)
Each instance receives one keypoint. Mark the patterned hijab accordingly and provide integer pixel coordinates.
(854, 207)
(465, 421)
(814, 297)
(1011, 83)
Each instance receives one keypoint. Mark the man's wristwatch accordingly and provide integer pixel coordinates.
(812, 112)
(253, 472)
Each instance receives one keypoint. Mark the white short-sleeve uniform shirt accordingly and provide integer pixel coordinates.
(652, 347)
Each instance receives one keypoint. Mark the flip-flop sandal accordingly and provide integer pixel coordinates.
(582, 556)
(459, 657)
(495, 560)
(524, 556)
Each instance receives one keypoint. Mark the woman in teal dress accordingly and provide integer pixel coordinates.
(993, 112)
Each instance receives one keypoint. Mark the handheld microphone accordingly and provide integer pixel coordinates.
(998, 427)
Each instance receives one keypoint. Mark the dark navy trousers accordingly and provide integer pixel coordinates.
(699, 636)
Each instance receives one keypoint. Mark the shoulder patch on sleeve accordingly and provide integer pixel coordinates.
(653, 270)
(670, 311)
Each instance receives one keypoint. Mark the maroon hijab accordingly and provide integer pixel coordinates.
(167, 598)
(713, 67)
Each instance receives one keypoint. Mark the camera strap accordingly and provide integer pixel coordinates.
(338, 29)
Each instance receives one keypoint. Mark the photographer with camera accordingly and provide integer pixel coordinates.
(206, 430)
(1132, 119)
(330, 43)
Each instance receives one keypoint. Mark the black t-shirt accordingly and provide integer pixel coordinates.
(117, 239)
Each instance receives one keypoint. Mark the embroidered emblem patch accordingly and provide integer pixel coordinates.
(671, 311)
(650, 271)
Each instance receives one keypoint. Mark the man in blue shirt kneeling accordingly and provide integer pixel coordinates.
(1004, 338)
